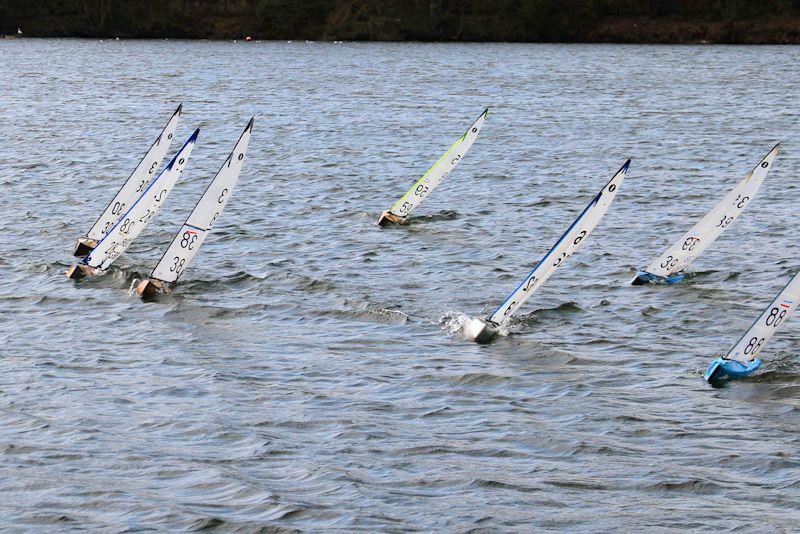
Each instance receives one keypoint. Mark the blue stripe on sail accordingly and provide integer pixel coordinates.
(623, 170)
(549, 252)
(191, 139)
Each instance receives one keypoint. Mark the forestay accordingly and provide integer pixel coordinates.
(194, 231)
(138, 180)
(434, 176)
(133, 221)
(710, 227)
(564, 247)
(751, 343)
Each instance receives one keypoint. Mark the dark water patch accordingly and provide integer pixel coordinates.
(496, 484)
(480, 379)
(444, 215)
(691, 486)
(378, 315)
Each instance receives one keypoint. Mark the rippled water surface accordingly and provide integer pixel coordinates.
(307, 373)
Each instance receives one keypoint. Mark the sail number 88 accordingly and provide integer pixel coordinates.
(754, 345)
(775, 317)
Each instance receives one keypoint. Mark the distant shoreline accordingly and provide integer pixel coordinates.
(410, 41)
(465, 21)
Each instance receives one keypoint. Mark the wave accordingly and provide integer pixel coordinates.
(380, 315)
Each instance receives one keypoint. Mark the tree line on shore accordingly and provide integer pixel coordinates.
(622, 21)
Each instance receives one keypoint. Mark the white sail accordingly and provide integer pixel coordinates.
(750, 344)
(695, 241)
(141, 212)
(205, 213)
(434, 176)
(138, 180)
(564, 247)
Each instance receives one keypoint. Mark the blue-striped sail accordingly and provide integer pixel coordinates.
(564, 247)
(141, 212)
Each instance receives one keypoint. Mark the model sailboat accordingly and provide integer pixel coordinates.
(433, 177)
(484, 330)
(199, 223)
(742, 359)
(668, 267)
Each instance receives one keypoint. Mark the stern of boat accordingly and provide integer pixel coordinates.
(84, 246)
(387, 217)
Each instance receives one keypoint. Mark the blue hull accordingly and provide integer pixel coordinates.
(643, 277)
(721, 369)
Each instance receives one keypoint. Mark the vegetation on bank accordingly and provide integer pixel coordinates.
(617, 21)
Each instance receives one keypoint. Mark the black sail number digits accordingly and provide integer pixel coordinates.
(725, 221)
(177, 265)
(670, 262)
(188, 239)
(532, 280)
(754, 345)
(126, 226)
(775, 317)
(690, 243)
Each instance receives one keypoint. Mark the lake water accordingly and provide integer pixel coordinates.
(306, 373)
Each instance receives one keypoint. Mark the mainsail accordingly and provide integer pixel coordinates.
(425, 185)
(137, 181)
(205, 213)
(133, 221)
(780, 309)
(564, 247)
(695, 241)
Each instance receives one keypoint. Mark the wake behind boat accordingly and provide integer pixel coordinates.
(133, 221)
(425, 185)
(484, 331)
(199, 223)
(742, 360)
(132, 188)
(668, 267)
